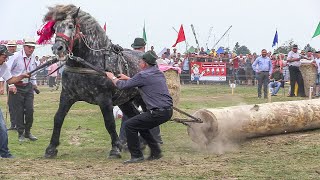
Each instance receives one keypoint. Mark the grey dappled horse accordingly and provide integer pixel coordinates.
(78, 34)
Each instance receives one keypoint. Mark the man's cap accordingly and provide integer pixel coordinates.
(150, 57)
(4, 51)
(295, 46)
(12, 43)
(138, 43)
(29, 42)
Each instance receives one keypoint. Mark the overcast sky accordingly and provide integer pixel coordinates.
(254, 22)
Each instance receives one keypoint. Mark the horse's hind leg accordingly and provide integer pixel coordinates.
(109, 122)
(64, 107)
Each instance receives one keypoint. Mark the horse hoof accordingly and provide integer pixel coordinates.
(51, 153)
(114, 156)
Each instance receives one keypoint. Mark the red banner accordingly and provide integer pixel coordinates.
(208, 71)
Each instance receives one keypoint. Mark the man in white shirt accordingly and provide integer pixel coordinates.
(6, 75)
(317, 62)
(294, 63)
(12, 48)
(22, 94)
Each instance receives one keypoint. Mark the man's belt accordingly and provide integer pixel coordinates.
(162, 109)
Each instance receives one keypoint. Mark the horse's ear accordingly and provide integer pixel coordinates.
(76, 14)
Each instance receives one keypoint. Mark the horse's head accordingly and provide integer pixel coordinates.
(67, 31)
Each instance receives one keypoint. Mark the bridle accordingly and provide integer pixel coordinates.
(69, 41)
(78, 35)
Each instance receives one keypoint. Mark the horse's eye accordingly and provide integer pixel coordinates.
(70, 26)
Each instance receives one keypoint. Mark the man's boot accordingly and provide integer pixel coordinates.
(20, 137)
(30, 136)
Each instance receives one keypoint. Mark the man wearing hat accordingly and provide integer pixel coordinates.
(294, 63)
(154, 92)
(12, 48)
(22, 92)
(139, 44)
(6, 75)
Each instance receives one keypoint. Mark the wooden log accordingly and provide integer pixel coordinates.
(249, 121)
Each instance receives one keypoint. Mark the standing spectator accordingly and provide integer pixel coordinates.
(139, 44)
(163, 60)
(185, 64)
(317, 62)
(152, 48)
(202, 52)
(37, 61)
(235, 63)
(22, 92)
(12, 48)
(174, 54)
(275, 81)
(295, 73)
(53, 73)
(6, 75)
(263, 70)
(248, 69)
(310, 56)
(167, 53)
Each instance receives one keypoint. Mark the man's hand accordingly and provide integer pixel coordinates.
(1, 90)
(13, 89)
(110, 75)
(123, 77)
(1, 87)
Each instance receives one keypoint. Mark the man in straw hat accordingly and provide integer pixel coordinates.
(6, 75)
(22, 92)
(154, 91)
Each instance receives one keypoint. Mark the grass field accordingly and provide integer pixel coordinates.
(85, 145)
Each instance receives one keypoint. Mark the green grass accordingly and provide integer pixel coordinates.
(85, 145)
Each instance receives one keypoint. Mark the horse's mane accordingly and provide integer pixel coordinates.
(89, 24)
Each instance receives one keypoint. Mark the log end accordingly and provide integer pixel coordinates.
(203, 133)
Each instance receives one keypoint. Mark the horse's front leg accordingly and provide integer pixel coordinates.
(109, 122)
(64, 107)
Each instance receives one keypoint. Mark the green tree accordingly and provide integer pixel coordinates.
(236, 47)
(309, 48)
(240, 49)
(285, 48)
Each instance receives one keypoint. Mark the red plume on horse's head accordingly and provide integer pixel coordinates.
(46, 32)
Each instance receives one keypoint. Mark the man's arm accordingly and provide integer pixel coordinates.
(15, 79)
(254, 65)
(270, 67)
(125, 82)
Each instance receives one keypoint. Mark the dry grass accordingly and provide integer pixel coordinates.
(85, 144)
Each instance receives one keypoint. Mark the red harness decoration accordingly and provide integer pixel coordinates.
(46, 32)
